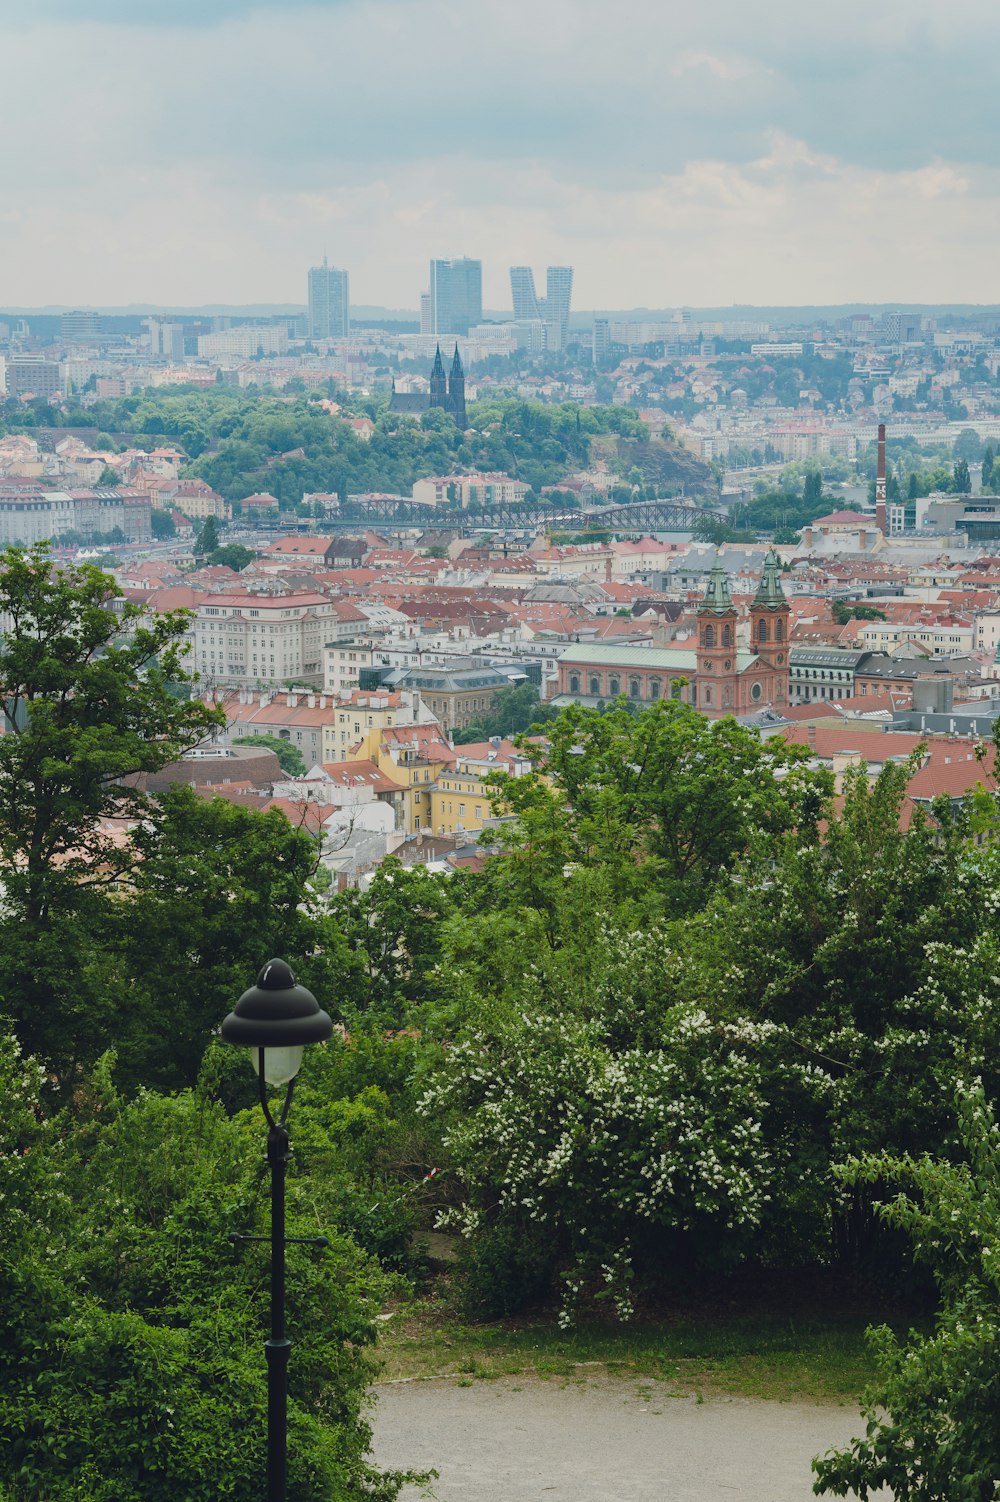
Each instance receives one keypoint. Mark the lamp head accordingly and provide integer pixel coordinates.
(279, 1017)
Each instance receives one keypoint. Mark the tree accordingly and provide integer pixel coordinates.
(234, 555)
(109, 476)
(162, 524)
(961, 480)
(290, 757)
(672, 789)
(852, 610)
(512, 711)
(394, 931)
(131, 1368)
(86, 711)
(968, 446)
(812, 488)
(208, 538)
(932, 1432)
(988, 462)
(217, 889)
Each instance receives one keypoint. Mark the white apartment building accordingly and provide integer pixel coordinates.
(487, 490)
(343, 661)
(31, 516)
(939, 641)
(246, 640)
(245, 341)
(987, 630)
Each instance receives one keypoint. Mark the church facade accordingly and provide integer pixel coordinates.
(446, 392)
(720, 678)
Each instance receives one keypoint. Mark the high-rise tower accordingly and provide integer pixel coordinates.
(456, 296)
(558, 294)
(329, 302)
(553, 307)
(523, 294)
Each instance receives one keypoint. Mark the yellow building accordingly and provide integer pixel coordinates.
(356, 722)
(458, 801)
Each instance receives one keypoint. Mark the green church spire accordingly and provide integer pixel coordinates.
(770, 595)
(717, 598)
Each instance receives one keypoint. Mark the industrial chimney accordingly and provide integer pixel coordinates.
(881, 521)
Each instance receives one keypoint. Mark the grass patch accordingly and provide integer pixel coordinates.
(757, 1354)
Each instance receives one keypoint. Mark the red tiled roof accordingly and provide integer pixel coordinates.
(354, 774)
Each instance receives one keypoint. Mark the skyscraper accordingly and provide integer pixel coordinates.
(525, 298)
(329, 302)
(559, 291)
(456, 296)
(553, 307)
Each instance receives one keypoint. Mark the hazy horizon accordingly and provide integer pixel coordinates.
(699, 155)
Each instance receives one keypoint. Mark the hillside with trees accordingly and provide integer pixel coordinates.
(242, 442)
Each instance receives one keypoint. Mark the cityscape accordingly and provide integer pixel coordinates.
(499, 802)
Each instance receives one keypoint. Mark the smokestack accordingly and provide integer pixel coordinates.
(881, 522)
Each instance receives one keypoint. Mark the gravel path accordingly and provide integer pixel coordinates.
(528, 1440)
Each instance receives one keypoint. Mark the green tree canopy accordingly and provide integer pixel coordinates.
(207, 541)
(87, 711)
(290, 757)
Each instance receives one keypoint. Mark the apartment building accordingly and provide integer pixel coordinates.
(301, 719)
(343, 661)
(29, 514)
(253, 641)
(485, 490)
(928, 636)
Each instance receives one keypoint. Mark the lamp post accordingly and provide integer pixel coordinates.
(275, 1019)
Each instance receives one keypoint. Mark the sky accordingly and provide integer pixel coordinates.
(675, 152)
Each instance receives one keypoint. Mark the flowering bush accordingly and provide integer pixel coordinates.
(593, 1131)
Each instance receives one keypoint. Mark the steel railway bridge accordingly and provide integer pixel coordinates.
(640, 517)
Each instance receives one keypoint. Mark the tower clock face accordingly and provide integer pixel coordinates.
(708, 665)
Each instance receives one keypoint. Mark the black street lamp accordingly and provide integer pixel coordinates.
(276, 1019)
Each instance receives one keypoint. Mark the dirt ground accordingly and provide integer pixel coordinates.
(602, 1440)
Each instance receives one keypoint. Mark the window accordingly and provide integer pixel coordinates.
(779, 630)
(709, 637)
(614, 687)
(756, 691)
(595, 685)
(654, 688)
(708, 693)
(634, 688)
(461, 810)
(574, 683)
(762, 631)
(727, 636)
